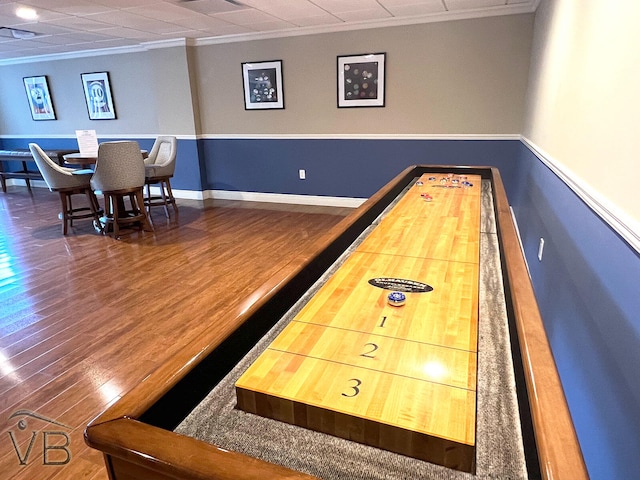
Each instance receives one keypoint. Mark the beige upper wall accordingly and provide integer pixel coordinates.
(172, 87)
(447, 78)
(461, 77)
(151, 92)
(584, 96)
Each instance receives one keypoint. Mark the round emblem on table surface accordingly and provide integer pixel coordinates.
(400, 285)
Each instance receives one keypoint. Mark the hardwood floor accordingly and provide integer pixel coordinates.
(84, 318)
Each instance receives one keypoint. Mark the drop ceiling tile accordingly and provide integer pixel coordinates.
(472, 4)
(75, 7)
(8, 20)
(325, 19)
(150, 20)
(45, 28)
(296, 10)
(363, 15)
(245, 17)
(395, 3)
(83, 37)
(129, 33)
(8, 10)
(201, 22)
(417, 9)
(78, 23)
(138, 22)
(270, 26)
(228, 29)
(117, 4)
(211, 7)
(338, 6)
(61, 39)
(164, 11)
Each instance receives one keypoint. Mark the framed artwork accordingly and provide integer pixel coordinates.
(97, 93)
(262, 82)
(361, 80)
(39, 98)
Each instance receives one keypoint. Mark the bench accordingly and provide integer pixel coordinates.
(26, 173)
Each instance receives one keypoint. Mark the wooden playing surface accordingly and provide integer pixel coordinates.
(402, 378)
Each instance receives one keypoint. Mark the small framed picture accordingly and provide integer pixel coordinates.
(97, 93)
(39, 98)
(262, 82)
(361, 80)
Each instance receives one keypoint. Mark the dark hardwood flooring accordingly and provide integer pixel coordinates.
(84, 318)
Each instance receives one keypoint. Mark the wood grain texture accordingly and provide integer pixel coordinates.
(153, 452)
(413, 359)
(446, 316)
(85, 318)
(384, 379)
(556, 440)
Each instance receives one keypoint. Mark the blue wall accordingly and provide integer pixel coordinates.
(340, 168)
(588, 290)
(335, 167)
(187, 176)
(587, 286)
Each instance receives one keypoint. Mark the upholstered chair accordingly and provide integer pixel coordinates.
(159, 168)
(68, 182)
(119, 175)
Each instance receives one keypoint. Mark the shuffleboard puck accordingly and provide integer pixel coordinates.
(396, 299)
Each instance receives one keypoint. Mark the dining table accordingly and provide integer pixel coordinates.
(86, 160)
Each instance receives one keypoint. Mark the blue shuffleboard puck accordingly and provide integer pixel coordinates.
(396, 299)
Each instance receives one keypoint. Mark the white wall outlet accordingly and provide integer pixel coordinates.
(540, 249)
(302, 174)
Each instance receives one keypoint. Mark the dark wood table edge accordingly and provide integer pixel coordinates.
(131, 445)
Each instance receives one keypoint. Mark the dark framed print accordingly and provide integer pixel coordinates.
(361, 80)
(39, 97)
(262, 83)
(97, 93)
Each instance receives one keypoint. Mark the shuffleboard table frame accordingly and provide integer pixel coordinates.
(135, 433)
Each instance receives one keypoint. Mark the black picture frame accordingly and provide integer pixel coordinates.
(361, 80)
(97, 95)
(262, 85)
(39, 98)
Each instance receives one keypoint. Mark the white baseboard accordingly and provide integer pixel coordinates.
(317, 200)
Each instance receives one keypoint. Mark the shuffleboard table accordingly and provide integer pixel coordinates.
(136, 433)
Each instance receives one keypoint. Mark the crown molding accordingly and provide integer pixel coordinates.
(514, 9)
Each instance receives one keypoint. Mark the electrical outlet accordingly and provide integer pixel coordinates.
(540, 249)
(302, 174)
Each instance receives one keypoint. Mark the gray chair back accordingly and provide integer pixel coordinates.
(162, 157)
(119, 167)
(55, 176)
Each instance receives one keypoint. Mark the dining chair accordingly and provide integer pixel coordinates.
(68, 182)
(159, 168)
(119, 174)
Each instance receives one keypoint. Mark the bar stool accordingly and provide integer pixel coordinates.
(119, 174)
(159, 168)
(68, 182)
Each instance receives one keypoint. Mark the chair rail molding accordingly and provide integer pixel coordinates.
(618, 220)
